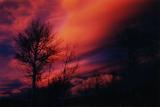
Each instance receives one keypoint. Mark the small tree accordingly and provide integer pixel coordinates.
(70, 63)
(36, 48)
(60, 84)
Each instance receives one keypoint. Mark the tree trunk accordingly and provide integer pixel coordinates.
(34, 86)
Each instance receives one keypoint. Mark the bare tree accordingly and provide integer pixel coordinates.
(60, 84)
(36, 47)
(70, 63)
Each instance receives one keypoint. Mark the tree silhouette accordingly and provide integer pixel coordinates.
(58, 87)
(36, 47)
(69, 58)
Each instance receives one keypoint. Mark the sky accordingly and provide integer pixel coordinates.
(87, 24)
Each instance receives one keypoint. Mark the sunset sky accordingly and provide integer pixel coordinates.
(87, 24)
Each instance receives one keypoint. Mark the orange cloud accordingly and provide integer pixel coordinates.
(88, 21)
